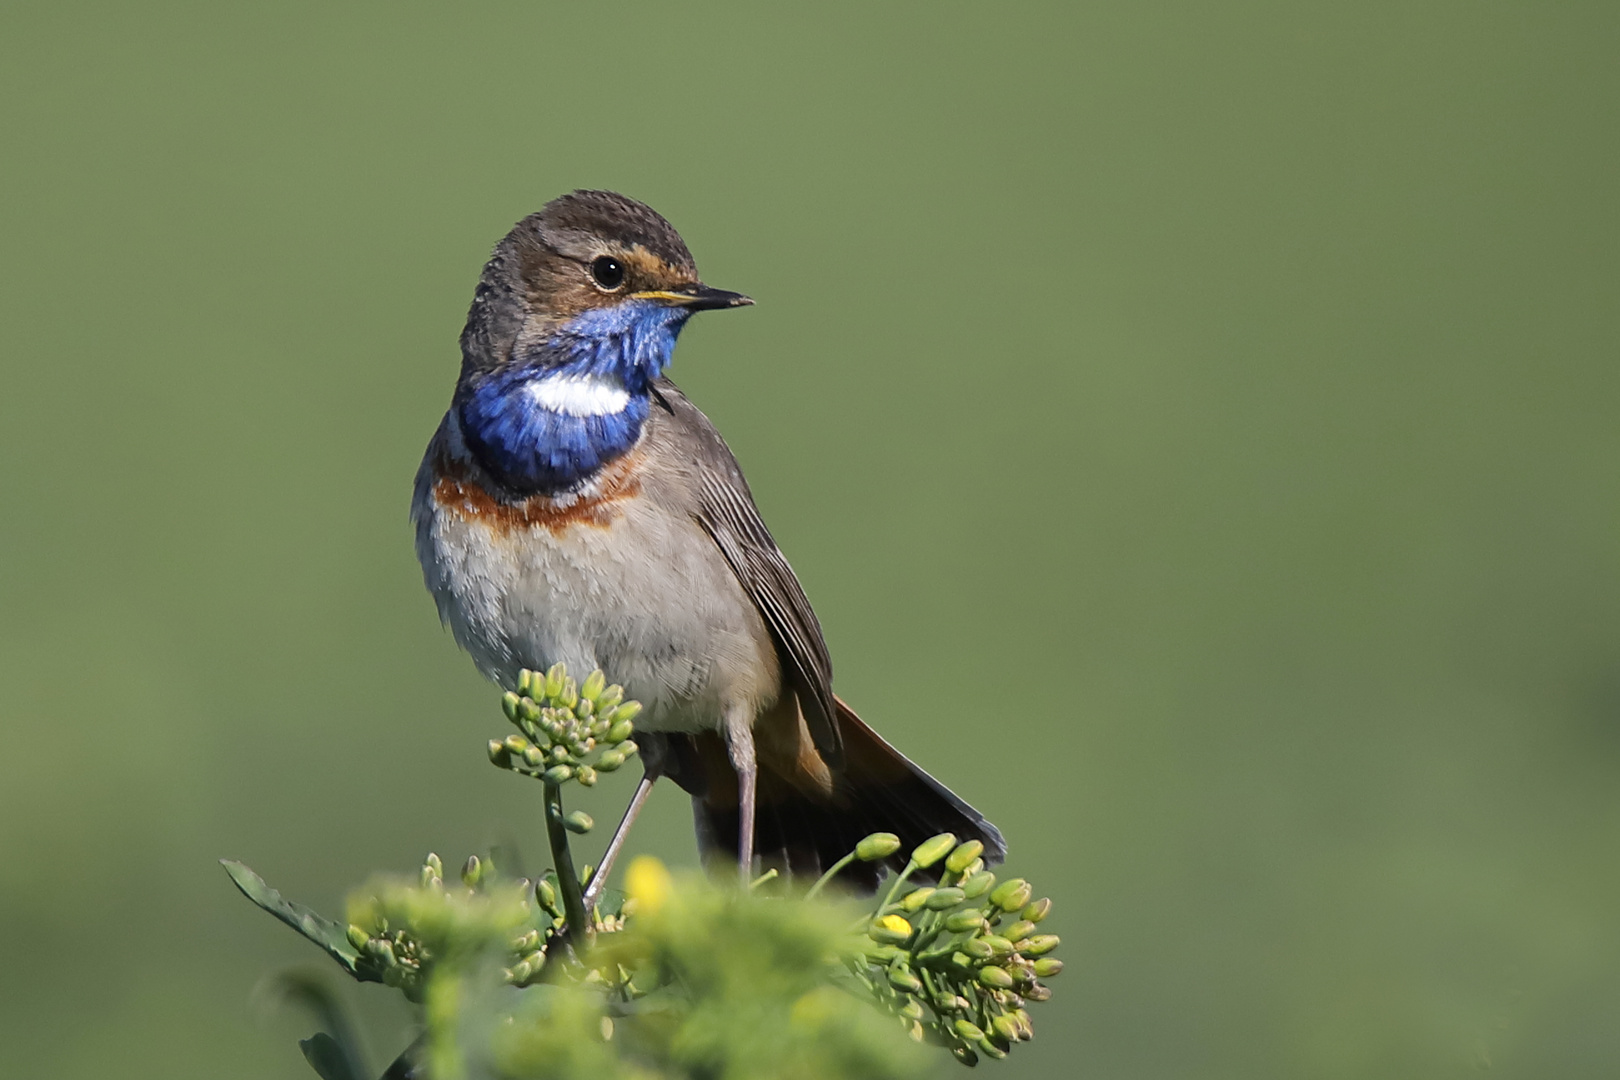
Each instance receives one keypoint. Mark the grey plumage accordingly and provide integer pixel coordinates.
(651, 601)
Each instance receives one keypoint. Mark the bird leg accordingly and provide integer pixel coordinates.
(599, 877)
(740, 748)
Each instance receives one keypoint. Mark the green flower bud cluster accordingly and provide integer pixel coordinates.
(402, 929)
(960, 960)
(397, 958)
(566, 731)
(957, 961)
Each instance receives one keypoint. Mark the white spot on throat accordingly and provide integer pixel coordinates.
(580, 395)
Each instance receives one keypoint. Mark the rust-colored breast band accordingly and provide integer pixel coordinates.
(456, 492)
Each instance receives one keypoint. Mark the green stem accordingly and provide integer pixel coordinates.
(927, 978)
(575, 925)
(444, 1001)
(888, 901)
(822, 881)
(894, 890)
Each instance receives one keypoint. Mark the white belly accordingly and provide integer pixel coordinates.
(648, 598)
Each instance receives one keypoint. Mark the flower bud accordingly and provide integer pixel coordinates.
(528, 710)
(999, 945)
(968, 1030)
(534, 757)
(609, 698)
(498, 754)
(558, 774)
(1048, 966)
(584, 709)
(991, 1050)
(916, 898)
(628, 747)
(595, 683)
(877, 846)
(578, 821)
(628, 710)
(587, 775)
(1006, 1027)
(1039, 993)
(978, 948)
(546, 894)
(913, 1010)
(609, 761)
(471, 871)
(1039, 945)
(902, 979)
(509, 706)
(554, 680)
(1036, 910)
(941, 899)
(960, 922)
(884, 954)
(516, 744)
(932, 850)
(889, 930)
(569, 697)
(1011, 895)
(358, 937)
(965, 1056)
(1019, 930)
(978, 884)
(620, 731)
(519, 973)
(964, 854)
(995, 978)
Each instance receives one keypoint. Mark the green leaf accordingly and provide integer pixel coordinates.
(328, 934)
(327, 1058)
(335, 1052)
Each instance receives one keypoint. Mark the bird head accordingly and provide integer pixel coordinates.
(596, 284)
(577, 312)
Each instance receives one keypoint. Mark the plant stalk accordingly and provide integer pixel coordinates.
(832, 872)
(575, 926)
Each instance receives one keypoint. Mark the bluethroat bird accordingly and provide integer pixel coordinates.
(574, 506)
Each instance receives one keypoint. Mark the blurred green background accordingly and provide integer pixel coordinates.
(1238, 381)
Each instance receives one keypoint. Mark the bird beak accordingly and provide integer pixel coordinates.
(697, 297)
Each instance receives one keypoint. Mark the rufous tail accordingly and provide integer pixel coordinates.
(808, 816)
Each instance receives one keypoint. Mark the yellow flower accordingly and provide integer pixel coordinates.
(648, 884)
(889, 930)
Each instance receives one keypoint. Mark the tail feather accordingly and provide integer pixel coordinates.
(801, 828)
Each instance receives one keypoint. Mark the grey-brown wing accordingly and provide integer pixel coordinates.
(726, 511)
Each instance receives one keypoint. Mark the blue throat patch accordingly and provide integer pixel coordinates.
(534, 449)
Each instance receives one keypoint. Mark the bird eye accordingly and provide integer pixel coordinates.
(607, 272)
